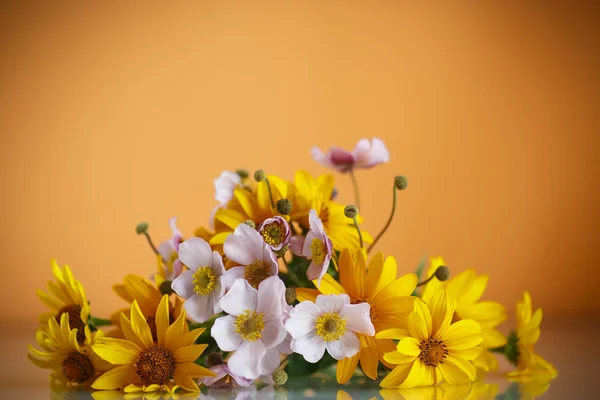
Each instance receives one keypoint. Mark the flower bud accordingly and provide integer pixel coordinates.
(284, 206)
(141, 228)
(259, 175)
(351, 211)
(165, 288)
(400, 182)
(242, 173)
(250, 223)
(442, 273)
(280, 377)
(214, 359)
(290, 295)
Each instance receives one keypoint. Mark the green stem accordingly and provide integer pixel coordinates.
(355, 188)
(151, 243)
(359, 233)
(387, 225)
(270, 193)
(426, 281)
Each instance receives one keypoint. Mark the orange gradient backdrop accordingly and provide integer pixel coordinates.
(111, 115)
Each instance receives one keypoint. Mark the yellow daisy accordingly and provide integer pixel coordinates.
(66, 297)
(433, 348)
(144, 365)
(520, 347)
(148, 297)
(388, 296)
(72, 363)
(466, 289)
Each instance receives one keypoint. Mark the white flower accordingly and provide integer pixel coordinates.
(254, 324)
(202, 285)
(255, 259)
(272, 359)
(331, 323)
(168, 251)
(225, 186)
(317, 247)
(275, 232)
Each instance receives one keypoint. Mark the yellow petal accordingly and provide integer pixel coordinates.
(381, 274)
(462, 335)
(162, 319)
(420, 375)
(461, 284)
(442, 308)
(395, 357)
(394, 333)
(434, 285)
(465, 366)
(117, 351)
(304, 294)
(409, 346)
(359, 274)
(187, 338)
(128, 331)
(369, 357)
(330, 285)
(175, 330)
(189, 353)
(140, 326)
(346, 266)
(398, 375)
(49, 300)
(419, 321)
(345, 368)
(487, 313)
(116, 378)
(403, 286)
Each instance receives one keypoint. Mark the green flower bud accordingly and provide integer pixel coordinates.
(281, 252)
(141, 228)
(165, 288)
(280, 377)
(284, 206)
(400, 182)
(214, 359)
(442, 273)
(250, 223)
(351, 211)
(290, 295)
(242, 173)
(259, 175)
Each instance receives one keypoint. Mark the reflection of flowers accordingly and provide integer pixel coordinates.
(475, 391)
(244, 393)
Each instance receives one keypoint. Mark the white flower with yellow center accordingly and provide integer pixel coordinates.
(254, 257)
(254, 324)
(330, 323)
(201, 285)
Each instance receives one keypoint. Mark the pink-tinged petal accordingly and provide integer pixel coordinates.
(316, 225)
(216, 265)
(270, 293)
(195, 253)
(176, 235)
(333, 302)
(347, 346)
(317, 271)
(241, 297)
(269, 257)
(177, 268)
(369, 154)
(285, 346)
(282, 224)
(199, 308)
(296, 245)
(211, 218)
(225, 185)
(183, 285)
(244, 362)
(310, 346)
(321, 158)
(224, 333)
(166, 251)
(303, 319)
(310, 236)
(358, 318)
(273, 333)
(270, 362)
(220, 372)
(231, 275)
(341, 158)
(244, 245)
(215, 296)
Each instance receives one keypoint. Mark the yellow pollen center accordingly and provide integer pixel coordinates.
(250, 325)
(77, 367)
(371, 309)
(318, 251)
(155, 366)
(433, 352)
(330, 326)
(273, 234)
(75, 321)
(256, 272)
(204, 281)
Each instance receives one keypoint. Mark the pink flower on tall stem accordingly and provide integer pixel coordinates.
(168, 251)
(366, 154)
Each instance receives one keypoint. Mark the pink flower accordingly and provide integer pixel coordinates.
(168, 251)
(275, 232)
(225, 186)
(222, 371)
(365, 155)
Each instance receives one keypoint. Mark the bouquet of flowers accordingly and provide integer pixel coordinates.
(283, 282)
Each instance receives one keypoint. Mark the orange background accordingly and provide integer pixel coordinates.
(114, 115)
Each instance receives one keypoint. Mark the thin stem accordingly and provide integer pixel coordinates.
(355, 188)
(151, 243)
(426, 280)
(270, 193)
(335, 263)
(387, 225)
(359, 233)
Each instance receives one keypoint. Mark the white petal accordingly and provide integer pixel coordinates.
(231, 275)
(321, 158)
(270, 293)
(317, 271)
(241, 297)
(358, 318)
(166, 250)
(244, 362)
(310, 236)
(215, 296)
(270, 362)
(311, 346)
(195, 253)
(303, 319)
(223, 331)
(217, 264)
(273, 333)
(316, 225)
(199, 308)
(270, 258)
(244, 245)
(225, 185)
(332, 302)
(297, 245)
(346, 347)
(285, 346)
(183, 285)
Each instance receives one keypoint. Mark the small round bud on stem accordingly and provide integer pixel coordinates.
(214, 359)
(141, 228)
(290, 295)
(400, 182)
(281, 252)
(284, 206)
(280, 377)
(259, 175)
(250, 223)
(442, 273)
(351, 211)
(242, 173)
(165, 288)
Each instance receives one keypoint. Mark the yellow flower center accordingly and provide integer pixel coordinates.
(433, 352)
(318, 251)
(330, 326)
(77, 367)
(273, 234)
(155, 366)
(256, 272)
(75, 322)
(204, 281)
(250, 325)
(371, 309)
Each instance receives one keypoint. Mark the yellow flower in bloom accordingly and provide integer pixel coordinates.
(72, 364)
(520, 346)
(433, 348)
(388, 296)
(466, 289)
(144, 365)
(66, 297)
(147, 296)
(308, 193)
